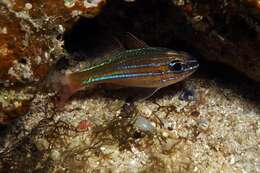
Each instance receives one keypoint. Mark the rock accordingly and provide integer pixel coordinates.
(29, 44)
(29, 30)
(226, 33)
(14, 104)
(143, 124)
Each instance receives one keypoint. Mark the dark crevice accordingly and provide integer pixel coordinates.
(158, 23)
(148, 20)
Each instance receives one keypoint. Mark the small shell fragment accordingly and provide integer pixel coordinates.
(143, 124)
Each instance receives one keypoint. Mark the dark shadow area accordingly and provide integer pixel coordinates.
(159, 24)
(228, 77)
(148, 20)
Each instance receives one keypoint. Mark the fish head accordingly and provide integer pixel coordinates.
(178, 66)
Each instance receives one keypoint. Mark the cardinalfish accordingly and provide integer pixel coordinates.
(141, 66)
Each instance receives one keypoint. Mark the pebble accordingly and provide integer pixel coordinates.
(143, 124)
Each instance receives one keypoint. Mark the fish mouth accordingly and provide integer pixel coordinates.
(191, 65)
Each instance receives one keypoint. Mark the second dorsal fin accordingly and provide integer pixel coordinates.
(132, 42)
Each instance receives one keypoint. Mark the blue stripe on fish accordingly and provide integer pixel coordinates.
(123, 76)
(119, 76)
(127, 67)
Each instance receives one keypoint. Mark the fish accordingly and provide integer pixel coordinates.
(139, 66)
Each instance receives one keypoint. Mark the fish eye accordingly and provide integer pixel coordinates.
(175, 65)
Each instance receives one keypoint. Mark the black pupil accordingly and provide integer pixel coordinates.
(175, 66)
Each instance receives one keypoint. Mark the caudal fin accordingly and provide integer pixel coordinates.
(68, 87)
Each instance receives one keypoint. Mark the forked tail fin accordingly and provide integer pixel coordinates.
(68, 86)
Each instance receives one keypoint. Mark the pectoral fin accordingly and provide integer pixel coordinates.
(143, 93)
(131, 93)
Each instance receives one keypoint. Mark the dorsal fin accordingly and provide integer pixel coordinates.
(102, 46)
(105, 53)
(114, 46)
(132, 42)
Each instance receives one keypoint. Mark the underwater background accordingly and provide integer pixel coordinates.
(208, 122)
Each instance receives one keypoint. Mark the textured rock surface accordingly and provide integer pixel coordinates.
(28, 35)
(227, 32)
(29, 43)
